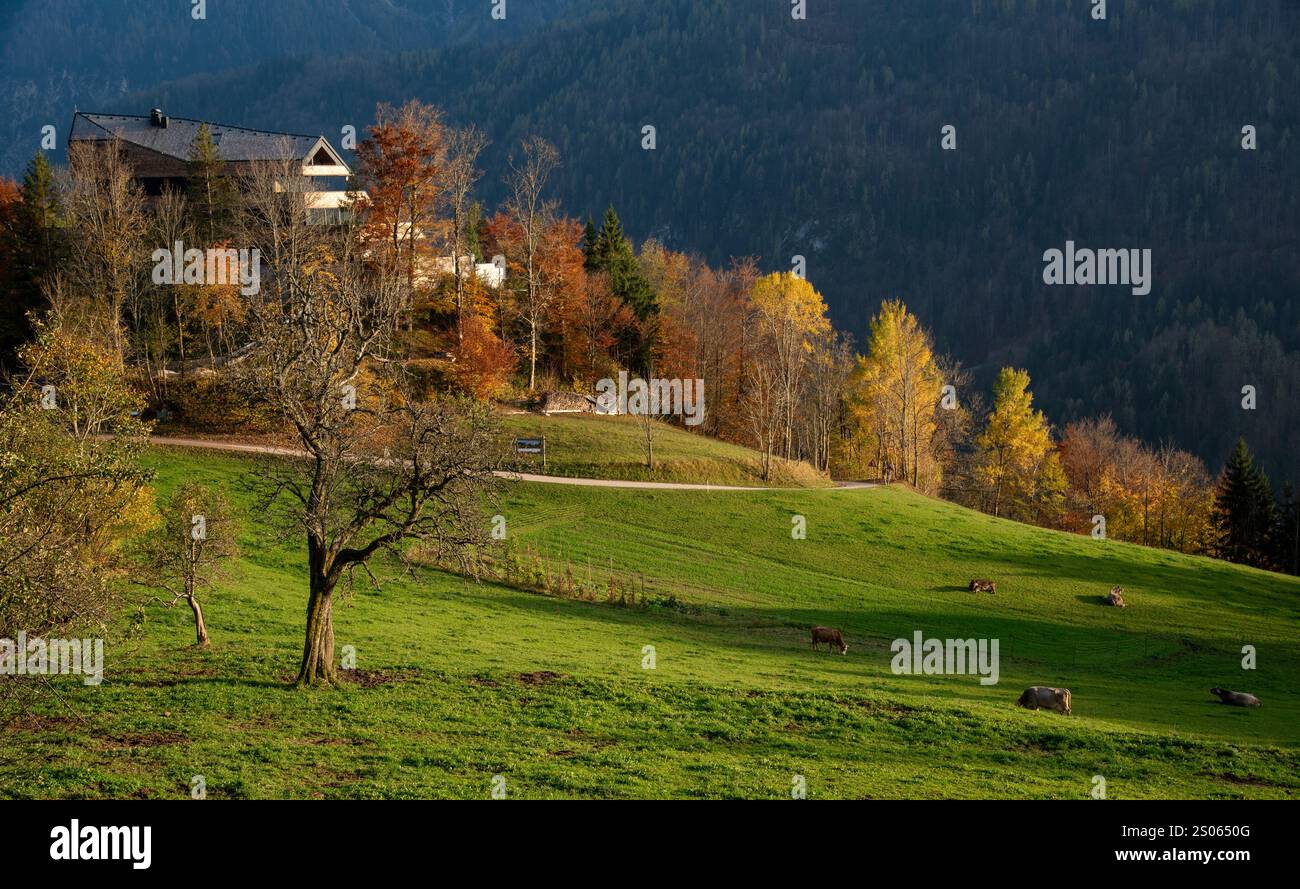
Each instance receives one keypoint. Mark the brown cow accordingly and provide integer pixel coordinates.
(1045, 697)
(830, 636)
(1235, 698)
(983, 586)
(1116, 598)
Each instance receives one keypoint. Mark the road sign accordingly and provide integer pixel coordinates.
(532, 446)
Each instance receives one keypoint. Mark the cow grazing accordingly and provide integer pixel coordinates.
(983, 586)
(1235, 698)
(830, 636)
(1043, 697)
(1115, 597)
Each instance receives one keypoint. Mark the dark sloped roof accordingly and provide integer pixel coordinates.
(175, 139)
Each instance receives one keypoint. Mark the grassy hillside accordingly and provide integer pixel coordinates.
(458, 682)
(591, 446)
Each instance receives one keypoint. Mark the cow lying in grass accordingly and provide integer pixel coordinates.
(983, 586)
(1235, 698)
(1115, 597)
(1043, 697)
(830, 636)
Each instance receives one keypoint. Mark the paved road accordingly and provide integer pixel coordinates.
(245, 448)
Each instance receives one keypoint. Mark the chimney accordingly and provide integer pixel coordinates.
(157, 118)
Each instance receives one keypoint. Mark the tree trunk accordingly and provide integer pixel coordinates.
(180, 336)
(318, 650)
(532, 356)
(460, 286)
(200, 628)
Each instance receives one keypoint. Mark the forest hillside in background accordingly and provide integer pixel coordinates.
(821, 138)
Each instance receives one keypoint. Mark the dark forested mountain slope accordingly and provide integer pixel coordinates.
(822, 138)
(92, 54)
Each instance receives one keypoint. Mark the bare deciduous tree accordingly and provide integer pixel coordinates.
(829, 366)
(531, 214)
(381, 468)
(192, 550)
(460, 175)
(762, 405)
(106, 215)
(646, 420)
(170, 224)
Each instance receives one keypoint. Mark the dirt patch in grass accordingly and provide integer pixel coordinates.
(336, 742)
(34, 722)
(540, 677)
(1035, 747)
(484, 682)
(107, 790)
(577, 734)
(1248, 780)
(141, 739)
(331, 779)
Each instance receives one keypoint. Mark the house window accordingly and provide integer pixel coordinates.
(328, 216)
(329, 183)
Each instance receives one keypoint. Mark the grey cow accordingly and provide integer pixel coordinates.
(1235, 698)
(1044, 697)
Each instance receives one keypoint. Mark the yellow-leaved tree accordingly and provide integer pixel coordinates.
(895, 396)
(789, 313)
(1017, 464)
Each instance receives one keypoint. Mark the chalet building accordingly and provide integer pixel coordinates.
(492, 274)
(429, 268)
(158, 148)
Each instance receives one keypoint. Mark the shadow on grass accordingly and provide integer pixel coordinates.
(1093, 600)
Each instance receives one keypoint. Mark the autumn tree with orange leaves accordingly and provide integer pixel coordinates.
(594, 322)
(401, 166)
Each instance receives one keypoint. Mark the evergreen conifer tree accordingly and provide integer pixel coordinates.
(36, 248)
(1244, 511)
(209, 191)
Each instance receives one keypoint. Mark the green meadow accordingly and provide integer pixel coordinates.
(590, 446)
(458, 681)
